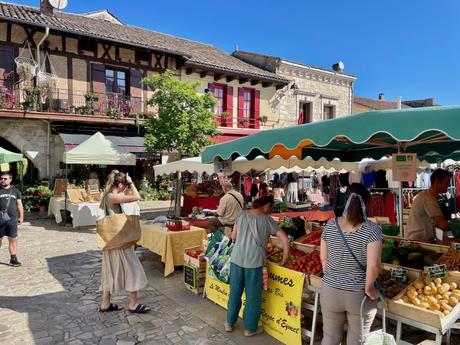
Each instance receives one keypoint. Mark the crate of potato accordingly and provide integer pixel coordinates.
(433, 302)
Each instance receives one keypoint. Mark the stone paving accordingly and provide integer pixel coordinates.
(53, 299)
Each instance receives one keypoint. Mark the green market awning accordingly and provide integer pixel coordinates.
(9, 157)
(433, 133)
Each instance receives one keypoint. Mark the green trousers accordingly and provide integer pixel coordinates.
(249, 280)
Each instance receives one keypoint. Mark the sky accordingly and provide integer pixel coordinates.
(407, 48)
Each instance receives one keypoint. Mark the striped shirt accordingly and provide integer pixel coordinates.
(342, 270)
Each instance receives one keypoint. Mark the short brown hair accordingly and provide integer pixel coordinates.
(355, 213)
(261, 202)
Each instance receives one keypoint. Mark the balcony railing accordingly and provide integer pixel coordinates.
(238, 122)
(72, 102)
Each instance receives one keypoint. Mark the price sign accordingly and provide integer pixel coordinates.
(190, 276)
(399, 273)
(437, 271)
(456, 247)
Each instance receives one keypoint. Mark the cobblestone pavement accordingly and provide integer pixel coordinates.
(53, 299)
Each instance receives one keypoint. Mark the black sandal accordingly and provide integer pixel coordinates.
(140, 309)
(112, 307)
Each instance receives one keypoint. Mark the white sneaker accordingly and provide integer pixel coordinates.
(228, 327)
(259, 330)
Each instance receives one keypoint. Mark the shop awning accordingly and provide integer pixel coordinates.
(9, 157)
(99, 150)
(431, 132)
(128, 144)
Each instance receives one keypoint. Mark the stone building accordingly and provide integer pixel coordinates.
(99, 64)
(313, 93)
(363, 104)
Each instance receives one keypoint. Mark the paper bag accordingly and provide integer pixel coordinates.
(117, 231)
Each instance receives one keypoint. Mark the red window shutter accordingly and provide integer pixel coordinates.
(240, 104)
(229, 99)
(256, 108)
(211, 88)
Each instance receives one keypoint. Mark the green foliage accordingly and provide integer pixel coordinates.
(184, 121)
(83, 110)
(36, 196)
(91, 97)
(113, 112)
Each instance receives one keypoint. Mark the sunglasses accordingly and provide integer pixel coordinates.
(4, 178)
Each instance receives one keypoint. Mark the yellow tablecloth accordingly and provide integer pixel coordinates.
(170, 244)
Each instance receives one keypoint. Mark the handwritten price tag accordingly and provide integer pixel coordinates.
(399, 273)
(437, 271)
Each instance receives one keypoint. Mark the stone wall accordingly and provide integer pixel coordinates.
(317, 87)
(30, 137)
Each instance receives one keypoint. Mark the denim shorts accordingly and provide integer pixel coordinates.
(10, 229)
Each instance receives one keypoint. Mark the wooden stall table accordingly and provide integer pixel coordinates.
(316, 215)
(170, 245)
(210, 203)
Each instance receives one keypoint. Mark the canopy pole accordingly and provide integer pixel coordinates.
(401, 200)
(178, 195)
(65, 196)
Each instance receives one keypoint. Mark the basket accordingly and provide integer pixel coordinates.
(26, 66)
(45, 79)
(390, 229)
(454, 226)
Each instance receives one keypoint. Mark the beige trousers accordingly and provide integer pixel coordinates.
(338, 306)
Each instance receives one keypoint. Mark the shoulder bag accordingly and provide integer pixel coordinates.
(264, 253)
(377, 285)
(4, 216)
(117, 231)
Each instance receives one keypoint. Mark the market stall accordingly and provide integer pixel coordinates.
(433, 134)
(7, 157)
(170, 245)
(95, 150)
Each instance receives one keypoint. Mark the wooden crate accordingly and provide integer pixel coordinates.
(424, 316)
(196, 262)
(413, 273)
(194, 278)
(298, 242)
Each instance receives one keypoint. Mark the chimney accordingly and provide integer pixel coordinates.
(381, 96)
(398, 102)
(46, 8)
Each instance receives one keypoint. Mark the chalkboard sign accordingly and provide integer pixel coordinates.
(190, 276)
(437, 271)
(399, 273)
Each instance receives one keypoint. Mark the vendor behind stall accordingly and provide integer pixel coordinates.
(230, 207)
(426, 214)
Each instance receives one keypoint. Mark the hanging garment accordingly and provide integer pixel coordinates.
(344, 179)
(326, 184)
(389, 209)
(368, 179)
(292, 195)
(381, 179)
(391, 183)
(334, 184)
(354, 177)
(457, 189)
(375, 207)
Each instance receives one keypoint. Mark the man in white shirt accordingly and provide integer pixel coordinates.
(230, 207)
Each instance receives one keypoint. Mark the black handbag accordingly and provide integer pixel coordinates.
(4, 216)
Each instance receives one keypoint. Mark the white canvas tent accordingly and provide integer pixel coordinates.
(99, 150)
(277, 164)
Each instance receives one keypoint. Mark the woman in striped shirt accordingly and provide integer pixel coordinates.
(348, 279)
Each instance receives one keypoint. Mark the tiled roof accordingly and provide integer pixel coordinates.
(376, 104)
(195, 53)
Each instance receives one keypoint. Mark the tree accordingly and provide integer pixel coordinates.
(184, 118)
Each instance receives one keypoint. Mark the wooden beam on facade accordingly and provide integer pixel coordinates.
(8, 32)
(265, 84)
(218, 77)
(243, 80)
(189, 71)
(203, 74)
(254, 82)
(230, 78)
(279, 87)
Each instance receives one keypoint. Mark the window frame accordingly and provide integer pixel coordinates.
(333, 112)
(116, 71)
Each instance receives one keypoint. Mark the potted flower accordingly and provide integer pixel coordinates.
(243, 122)
(44, 196)
(263, 119)
(226, 119)
(32, 98)
(91, 100)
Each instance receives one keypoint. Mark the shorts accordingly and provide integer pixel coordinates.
(10, 229)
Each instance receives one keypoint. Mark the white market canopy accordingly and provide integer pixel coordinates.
(278, 164)
(99, 150)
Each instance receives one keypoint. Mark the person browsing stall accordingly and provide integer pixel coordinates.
(230, 207)
(426, 214)
(351, 257)
(12, 214)
(251, 233)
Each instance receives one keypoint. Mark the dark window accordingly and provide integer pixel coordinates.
(87, 46)
(116, 82)
(304, 112)
(248, 104)
(329, 112)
